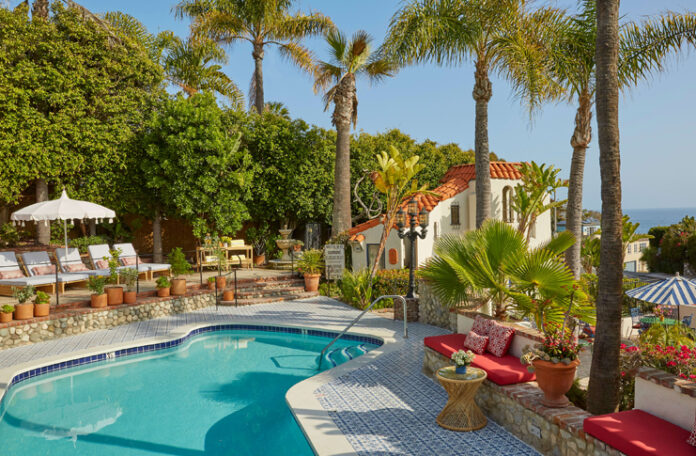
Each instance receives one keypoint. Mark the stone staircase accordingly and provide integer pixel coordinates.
(260, 291)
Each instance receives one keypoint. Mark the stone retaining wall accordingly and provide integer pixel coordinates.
(85, 320)
(431, 312)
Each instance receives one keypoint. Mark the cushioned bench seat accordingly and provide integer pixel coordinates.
(638, 433)
(506, 370)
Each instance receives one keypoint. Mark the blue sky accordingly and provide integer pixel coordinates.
(657, 117)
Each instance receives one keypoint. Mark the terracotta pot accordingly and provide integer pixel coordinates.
(24, 311)
(114, 295)
(99, 301)
(221, 282)
(555, 380)
(130, 297)
(211, 285)
(5, 317)
(42, 310)
(178, 287)
(259, 260)
(297, 247)
(163, 292)
(311, 282)
(228, 295)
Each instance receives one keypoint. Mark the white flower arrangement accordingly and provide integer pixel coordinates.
(463, 358)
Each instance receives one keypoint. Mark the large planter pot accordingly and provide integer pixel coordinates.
(221, 282)
(555, 380)
(24, 311)
(211, 285)
(228, 295)
(114, 295)
(130, 297)
(259, 260)
(42, 310)
(98, 301)
(163, 292)
(178, 287)
(5, 317)
(311, 282)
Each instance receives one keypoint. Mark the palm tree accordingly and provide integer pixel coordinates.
(499, 36)
(644, 47)
(261, 23)
(348, 60)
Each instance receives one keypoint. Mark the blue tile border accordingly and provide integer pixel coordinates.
(176, 342)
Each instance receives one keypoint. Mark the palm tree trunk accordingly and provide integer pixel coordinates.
(342, 115)
(43, 231)
(579, 141)
(482, 94)
(39, 9)
(157, 237)
(604, 375)
(258, 78)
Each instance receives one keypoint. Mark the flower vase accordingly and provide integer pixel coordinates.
(461, 370)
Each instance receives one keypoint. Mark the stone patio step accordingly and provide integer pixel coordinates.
(269, 299)
(260, 293)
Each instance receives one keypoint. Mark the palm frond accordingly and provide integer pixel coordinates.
(294, 27)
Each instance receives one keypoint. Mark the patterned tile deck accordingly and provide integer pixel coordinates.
(386, 407)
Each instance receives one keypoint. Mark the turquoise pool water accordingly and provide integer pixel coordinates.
(220, 393)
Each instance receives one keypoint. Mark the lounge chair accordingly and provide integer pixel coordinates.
(11, 276)
(39, 265)
(128, 256)
(97, 253)
(71, 262)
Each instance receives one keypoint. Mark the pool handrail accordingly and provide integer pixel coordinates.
(350, 325)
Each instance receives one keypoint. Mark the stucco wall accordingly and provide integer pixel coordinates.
(665, 403)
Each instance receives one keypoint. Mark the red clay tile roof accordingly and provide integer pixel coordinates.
(455, 181)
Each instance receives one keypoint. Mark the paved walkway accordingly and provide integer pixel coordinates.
(386, 407)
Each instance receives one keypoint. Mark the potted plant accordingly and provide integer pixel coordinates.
(297, 246)
(211, 283)
(555, 361)
(130, 277)
(23, 310)
(462, 359)
(163, 284)
(6, 313)
(226, 241)
(180, 266)
(42, 304)
(221, 256)
(258, 237)
(98, 298)
(310, 264)
(114, 293)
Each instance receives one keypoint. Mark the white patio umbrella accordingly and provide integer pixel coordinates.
(63, 209)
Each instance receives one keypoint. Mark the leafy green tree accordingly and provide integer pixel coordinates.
(336, 78)
(500, 36)
(194, 167)
(261, 23)
(533, 196)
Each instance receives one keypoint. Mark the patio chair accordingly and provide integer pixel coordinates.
(686, 321)
(72, 262)
(128, 255)
(636, 315)
(12, 276)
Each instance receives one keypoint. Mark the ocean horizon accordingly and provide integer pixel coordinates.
(649, 218)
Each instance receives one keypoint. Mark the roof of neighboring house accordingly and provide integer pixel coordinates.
(455, 181)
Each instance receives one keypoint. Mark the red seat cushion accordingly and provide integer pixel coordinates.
(638, 433)
(506, 370)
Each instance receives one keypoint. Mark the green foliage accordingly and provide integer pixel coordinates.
(178, 262)
(664, 335)
(675, 245)
(7, 308)
(259, 236)
(82, 243)
(42, 298)
(356, 288)
(96, 284)
(211, 279)
(163, 282)
(24, 294)
(193, 167)
(590, 286)
(114, 265)
(532, 196)
(57, 234)
(9, 235)
(129, 276)
(311, 262)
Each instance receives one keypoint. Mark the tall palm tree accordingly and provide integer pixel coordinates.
(643, 50)
(261, 23)
(348, 59)
(499, 36)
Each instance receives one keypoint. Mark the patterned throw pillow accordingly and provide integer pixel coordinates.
(475, 342)
(43, 270)
(101, 264)
(500, 339)
(14, 274)
(692, 438)
(77, 267)
(129, 261)
(482, 325)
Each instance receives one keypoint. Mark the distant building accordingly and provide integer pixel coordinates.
(589, 227)
(453, 210)
(632, 259)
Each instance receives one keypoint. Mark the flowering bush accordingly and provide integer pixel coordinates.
(559, 346)
(463, 358)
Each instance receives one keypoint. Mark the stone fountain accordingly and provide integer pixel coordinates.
(285, 243)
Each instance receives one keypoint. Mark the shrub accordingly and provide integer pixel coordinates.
(177, 260)
(391, 282)
(82, 243)
(42, 298)
(9, 235)
(163, 282)
(96, 284)
(7, 308)
(356, 288)
(22, 295)
(311, 262)
(129, 276)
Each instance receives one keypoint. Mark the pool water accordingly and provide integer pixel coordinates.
(221, 393)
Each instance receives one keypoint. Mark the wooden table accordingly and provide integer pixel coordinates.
(461, 412)
(203, 252)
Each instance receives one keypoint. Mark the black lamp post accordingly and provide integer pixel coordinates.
(415, 219)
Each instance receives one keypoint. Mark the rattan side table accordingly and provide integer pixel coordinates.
(461, 412)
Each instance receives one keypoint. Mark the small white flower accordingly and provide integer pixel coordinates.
(463, 358)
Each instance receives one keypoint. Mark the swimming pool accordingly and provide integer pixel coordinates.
(219, 391)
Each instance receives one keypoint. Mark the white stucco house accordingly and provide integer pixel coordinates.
(452, 210)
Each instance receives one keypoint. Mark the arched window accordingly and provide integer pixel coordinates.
(508, 213)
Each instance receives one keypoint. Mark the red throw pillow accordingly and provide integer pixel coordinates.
(43, 270)
(692, 438)
(476, 342)
(482, 325)
(14, 274)
(77, 267)
(101, 264)
(500, 339)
